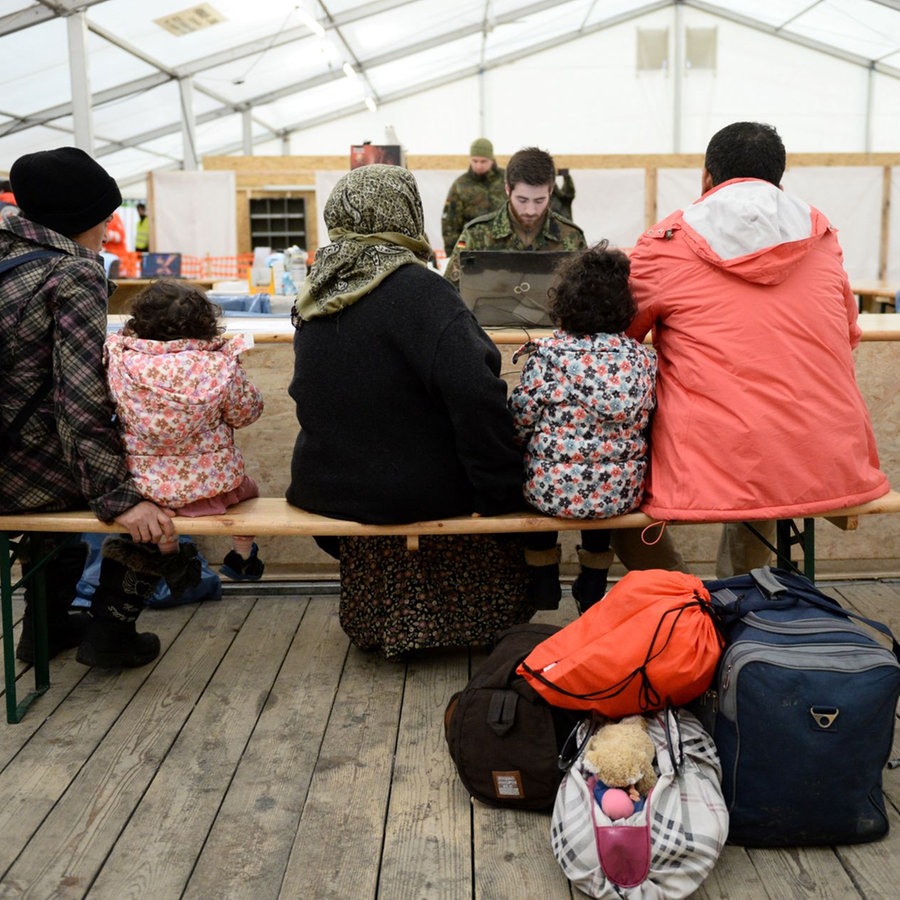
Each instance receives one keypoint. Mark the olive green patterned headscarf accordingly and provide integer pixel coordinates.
(375, 222)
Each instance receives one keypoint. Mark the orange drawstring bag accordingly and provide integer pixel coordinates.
(653, 641)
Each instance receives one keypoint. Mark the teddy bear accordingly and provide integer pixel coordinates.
(621, 755)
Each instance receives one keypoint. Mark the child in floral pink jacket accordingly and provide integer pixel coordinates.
(581, 411)
(180, 391)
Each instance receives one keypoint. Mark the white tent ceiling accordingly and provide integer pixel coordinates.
(272, 74)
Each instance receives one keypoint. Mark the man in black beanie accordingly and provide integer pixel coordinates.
(60, 446)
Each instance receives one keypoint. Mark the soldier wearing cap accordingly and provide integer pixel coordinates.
(479, 190)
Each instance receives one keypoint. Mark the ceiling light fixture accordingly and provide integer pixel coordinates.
(311, 23)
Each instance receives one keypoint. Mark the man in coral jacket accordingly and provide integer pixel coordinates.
(759, 416)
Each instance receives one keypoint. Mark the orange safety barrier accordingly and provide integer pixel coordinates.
(129, 265)
(223, 267)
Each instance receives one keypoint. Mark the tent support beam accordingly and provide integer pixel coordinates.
(76, 26)
(247, 132)
(188, 124)
(678, 78)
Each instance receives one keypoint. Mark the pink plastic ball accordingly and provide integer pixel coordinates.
(616, 804)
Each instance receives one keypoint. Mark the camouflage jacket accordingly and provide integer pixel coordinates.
(469, 196)
(495, 232)
(562, 196)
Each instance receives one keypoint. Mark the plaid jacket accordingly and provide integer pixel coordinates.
(53, 318)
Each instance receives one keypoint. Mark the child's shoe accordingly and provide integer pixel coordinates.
(543, 590)
(235, 567)
(590, 585)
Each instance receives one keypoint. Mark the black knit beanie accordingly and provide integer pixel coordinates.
(64, 189)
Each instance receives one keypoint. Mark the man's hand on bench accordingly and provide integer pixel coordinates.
(148, 523)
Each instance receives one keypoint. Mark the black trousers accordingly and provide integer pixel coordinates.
(594, 540)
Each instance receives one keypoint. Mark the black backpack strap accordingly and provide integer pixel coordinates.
(11, 432)
(15, 261)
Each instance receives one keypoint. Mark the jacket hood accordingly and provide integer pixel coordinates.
(752, 229)
(180, 383)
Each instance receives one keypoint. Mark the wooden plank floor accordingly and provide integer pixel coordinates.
(262, 756)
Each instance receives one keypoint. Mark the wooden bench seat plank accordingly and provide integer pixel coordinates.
(889, 503)
(275, 516)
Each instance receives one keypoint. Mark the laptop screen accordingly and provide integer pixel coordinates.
(508, 288)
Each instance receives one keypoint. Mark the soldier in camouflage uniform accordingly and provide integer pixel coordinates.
(479, 190)
(563, 195)
(525, 221)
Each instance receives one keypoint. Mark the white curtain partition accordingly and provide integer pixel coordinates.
(193, 213)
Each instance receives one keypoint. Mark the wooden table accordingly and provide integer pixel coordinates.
(126, 288)
(876, 296)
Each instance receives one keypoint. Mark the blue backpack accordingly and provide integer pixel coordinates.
(805, 708)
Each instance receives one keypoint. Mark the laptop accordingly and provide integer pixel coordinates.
(508, 288)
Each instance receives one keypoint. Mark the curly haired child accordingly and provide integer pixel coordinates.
(581, 411)
(180, 391)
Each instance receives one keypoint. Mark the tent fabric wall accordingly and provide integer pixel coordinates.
(562, 75)
(588, 97)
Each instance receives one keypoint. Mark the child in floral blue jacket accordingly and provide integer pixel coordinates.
(581, 410)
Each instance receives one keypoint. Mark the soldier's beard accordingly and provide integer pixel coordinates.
(527, 231)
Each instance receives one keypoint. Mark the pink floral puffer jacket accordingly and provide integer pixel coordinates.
(178, 403)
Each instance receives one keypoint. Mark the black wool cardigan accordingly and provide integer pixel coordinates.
(402, 410)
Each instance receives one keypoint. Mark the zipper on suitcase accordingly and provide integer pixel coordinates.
(824, 657)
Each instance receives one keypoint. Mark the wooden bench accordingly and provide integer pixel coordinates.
(270, 516)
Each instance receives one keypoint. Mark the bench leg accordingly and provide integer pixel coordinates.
(788, 536)
(7, 555)
(33, 570)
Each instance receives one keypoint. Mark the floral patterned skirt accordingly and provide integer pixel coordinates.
(453, 591)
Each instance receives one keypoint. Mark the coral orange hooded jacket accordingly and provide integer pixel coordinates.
(759, 415)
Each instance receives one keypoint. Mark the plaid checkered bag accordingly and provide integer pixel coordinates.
(666, 849)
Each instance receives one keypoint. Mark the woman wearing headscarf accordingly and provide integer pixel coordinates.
(402, 417)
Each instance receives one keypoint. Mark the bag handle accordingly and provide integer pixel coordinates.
(572, 747)
(501, 714)
(671, 716)
(773, 583)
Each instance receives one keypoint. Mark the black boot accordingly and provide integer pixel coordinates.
(590, 585)
(112, 641)
(65, 628)
(543, 589)
(182, 570)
